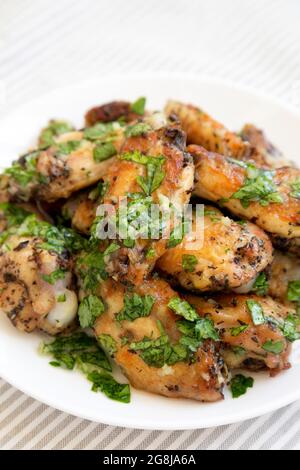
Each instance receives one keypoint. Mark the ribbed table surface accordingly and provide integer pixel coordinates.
(45, 45)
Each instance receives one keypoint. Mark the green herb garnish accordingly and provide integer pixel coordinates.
(138, 106)
(295, 193)
(104, 151)
(90, 309)
(54, 276)
(108, 343)
(136, 306)
(54, 129)
(256, 311)
(239, 385)
(105, 383)
(138, 129)
(155, 173)
(189, 262)
(273, 347)
(261, 285)
(237, 330)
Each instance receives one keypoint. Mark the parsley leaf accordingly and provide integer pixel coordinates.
(273, 347)
(294, 291)
(183, 308)
(189, 262)
(138, 106)
(54, 276)
(14, 215)
(65, 148)
(106, 384)
(258, 186)
(237, 330)
(295, 193)
(108, 343)
(256, 311)
(137, 129)
(178, 233)
(90, 309)
(104, 151)
(54, 129)
(239, 385)
(155, 174)
(261, 285)
(24, 171)
(135, 307)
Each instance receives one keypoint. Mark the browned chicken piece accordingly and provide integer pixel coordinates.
(220, 254)
(246, 345)
(257, 139)
(203, 130)
(36, 286)
(74, 162)
(284, 269)
(268, 198)
(81, 208)
(111, 112)
(157, 371)
(161, 151)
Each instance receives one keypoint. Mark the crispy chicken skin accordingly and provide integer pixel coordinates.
(257, 139)
(284, 269)
(218, 178)
(231, 311)
(175, 189)
(227, 254)
(29, 301)
(60, 173)
(81, 210)
(203, 130)
(200, 380)
(110, 112)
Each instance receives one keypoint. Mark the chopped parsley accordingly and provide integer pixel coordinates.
(178, 233)
(189, 262)
(108, 343)
(138, 129)
(54, 129)
(105, 383)
(14, 215)
(138, 106)
(65, 148)
(24, 171)
(104, 151)
(256, 311)
(293, 294)
(274, 347)
(90, 309)
(54, 276)
(101, 131)
(155, 173)
(61, 298)
(261, 285)
(258, 186)
(295, 193)
(136, 306)
(237, 330)
(83, 352)
(183, 308)
(239, 385)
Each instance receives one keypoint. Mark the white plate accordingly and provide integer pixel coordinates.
(23, 367)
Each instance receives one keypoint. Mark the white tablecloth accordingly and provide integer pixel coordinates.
(45, 45)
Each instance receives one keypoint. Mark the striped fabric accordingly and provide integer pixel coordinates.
(46, 44)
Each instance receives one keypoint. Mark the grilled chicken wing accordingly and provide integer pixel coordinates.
(76, 160)
(284, 269)
(223, 255)
(203, 130)
(36, 286)
(257, 139)
(200, 379)
(152, 168)
(267, 198)
(232, 318)
(111, 112)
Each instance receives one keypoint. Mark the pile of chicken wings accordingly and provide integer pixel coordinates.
(177, 316)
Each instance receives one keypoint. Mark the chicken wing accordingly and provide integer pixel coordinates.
(148, 348)
(268, 198)
(230, 254)
(203, 130)
(249, 341)
(153, 168)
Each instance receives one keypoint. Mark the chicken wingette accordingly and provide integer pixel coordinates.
(256, 332)
(219, 255)
(142, 333)
(270, 199)
(37, 288)
(152, 169)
